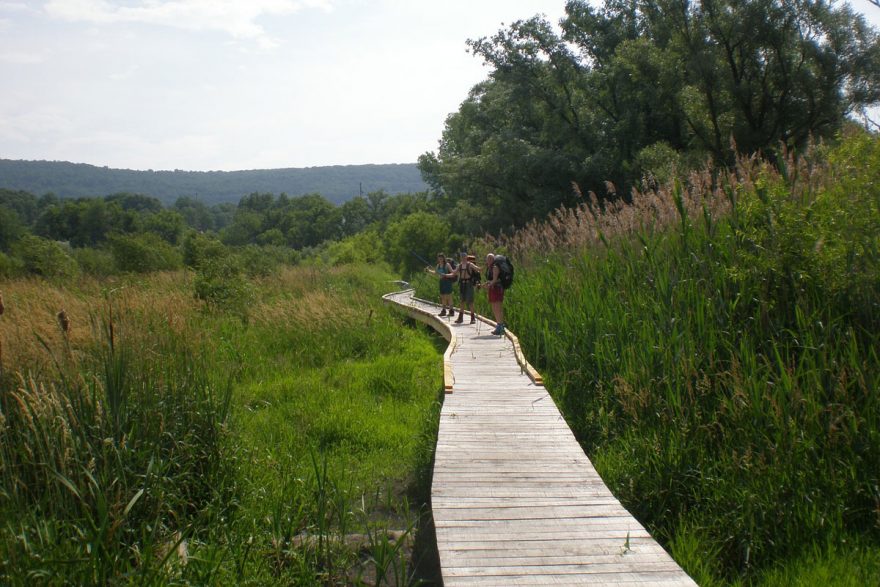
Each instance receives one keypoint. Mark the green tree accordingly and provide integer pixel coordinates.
(199, 248)
(24, 204)
(196, 214)
(355, 215)
(168, 224)
(310, 220)
(45, 257)
(136, 202)
(142, 253)
(619, 84)
(422, 233)
(11, 228)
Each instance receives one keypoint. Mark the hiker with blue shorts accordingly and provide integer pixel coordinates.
(447, 276)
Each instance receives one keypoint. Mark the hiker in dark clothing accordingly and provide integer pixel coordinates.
(496, 292)
(447, 276)
(468, 277)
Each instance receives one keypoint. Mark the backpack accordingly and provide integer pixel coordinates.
(453, 277)
(505, 271)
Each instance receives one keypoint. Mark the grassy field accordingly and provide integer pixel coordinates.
(148, 438)
(714, 346)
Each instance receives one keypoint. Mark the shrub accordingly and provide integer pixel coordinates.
(222, 285)
(10, 266)
(362, 248)
(260, 261)
(141, 253)
(95, 261)
(45, 257)
(198, 248)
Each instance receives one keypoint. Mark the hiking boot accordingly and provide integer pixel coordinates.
(499, 329)
(460, 318)
(473, 320)
(443, 313)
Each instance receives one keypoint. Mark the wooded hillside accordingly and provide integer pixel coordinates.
(337, 183)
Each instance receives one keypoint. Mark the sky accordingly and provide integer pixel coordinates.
(239, 84)
(242, 84)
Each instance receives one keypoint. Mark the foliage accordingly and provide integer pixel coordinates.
(76, 180)
(142, 253)
(10, 266)
(44, 257)
(421, 234)
(221, 284)
(95, 261)
(168, 224)
(11, 228)
(199, 248)
(714, 347)
(625, 89)
(192, 448)
(261, 261)
(363, 248)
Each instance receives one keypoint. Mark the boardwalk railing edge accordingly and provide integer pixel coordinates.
(447, 332)
(437, 324)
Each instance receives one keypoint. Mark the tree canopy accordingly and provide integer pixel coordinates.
(624, 91)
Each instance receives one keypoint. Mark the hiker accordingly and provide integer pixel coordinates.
(447, 276)
(468, 277)
(496, 291)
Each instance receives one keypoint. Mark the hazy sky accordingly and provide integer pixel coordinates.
(241, 84)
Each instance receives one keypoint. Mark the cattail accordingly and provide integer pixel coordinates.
(2, 307)
(64, 322)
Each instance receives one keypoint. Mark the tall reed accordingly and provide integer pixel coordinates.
(714, 346)
(161, 441)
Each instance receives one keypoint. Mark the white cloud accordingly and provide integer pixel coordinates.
(236, 18)
(15, 7)
(21, 57)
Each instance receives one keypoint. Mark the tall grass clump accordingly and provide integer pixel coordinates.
(714, 345)
(152, 436)
(104, 469)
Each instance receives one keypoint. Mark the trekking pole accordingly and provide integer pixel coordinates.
(420, 258)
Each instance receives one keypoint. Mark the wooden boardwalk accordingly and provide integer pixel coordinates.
(515, 499)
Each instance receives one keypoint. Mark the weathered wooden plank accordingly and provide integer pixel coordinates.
(617, 567)
(515, 499)
(605, 579)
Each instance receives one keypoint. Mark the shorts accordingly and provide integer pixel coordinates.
(466, 290)
(445, 286)
(496, 293)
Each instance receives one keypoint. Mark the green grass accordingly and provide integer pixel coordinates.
(722, 370)
(288, 443)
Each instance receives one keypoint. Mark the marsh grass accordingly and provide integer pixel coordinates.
(714, 347)
(164, 440)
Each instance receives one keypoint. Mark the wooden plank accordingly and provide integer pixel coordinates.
(515, 499)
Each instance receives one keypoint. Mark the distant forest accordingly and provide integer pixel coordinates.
(337, 183)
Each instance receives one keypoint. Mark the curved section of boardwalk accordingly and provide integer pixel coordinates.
(515, 499)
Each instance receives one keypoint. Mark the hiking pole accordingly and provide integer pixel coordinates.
(420, 258)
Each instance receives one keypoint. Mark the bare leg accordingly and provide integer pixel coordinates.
(498, 311)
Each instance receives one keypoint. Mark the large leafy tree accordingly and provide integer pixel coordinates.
(620, 90)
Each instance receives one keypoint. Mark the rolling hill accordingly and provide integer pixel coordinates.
(337, 183)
